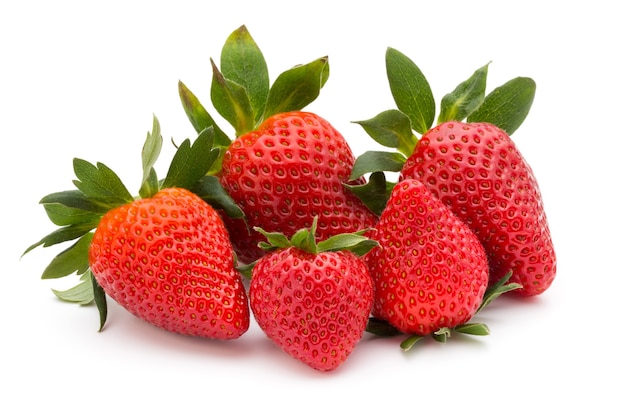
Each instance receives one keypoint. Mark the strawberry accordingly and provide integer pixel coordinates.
(430, 272)
(469, 161)
(292, 169)
(313, 299)
(477, 171)
(164, 256)
(284, 165)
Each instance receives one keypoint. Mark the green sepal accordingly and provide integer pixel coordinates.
(441, 335)
(500, 287)
(191, 161)
(375, 193)
(75, 199)
(231, 101)
(377, 161)
(149, 155)
(81, 293)
(304, 239)
(211, 190)
(410, 90)
(62, 215)
(465, 98)
(242, 62)
(391, 128)
(474, 329)
(408, 343)
(99, 297)
(508, 105)
(297, 87)
(63, 234)
(198, 116)
(100, 183)
(73, 259)
(380, 327)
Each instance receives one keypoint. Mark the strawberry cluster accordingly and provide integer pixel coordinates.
(285, 225)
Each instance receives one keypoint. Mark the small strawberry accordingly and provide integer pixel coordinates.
(313, 299)
(164, 256)
(430, 271)
(469, 161)
(285, 166)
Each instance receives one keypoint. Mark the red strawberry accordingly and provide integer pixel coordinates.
(430, 271)
(168, 260)
(165, 256)
(313, 300)
(477, 171)
(293, 168)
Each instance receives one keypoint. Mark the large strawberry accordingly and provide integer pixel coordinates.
(164, 256)
(285, 166)
(477, 171)
(430, 272)
(470, 162)
(313, 299)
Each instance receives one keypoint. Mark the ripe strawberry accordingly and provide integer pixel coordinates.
(477, 171)
(430, 271)
(168, 260)
(285, 166)
(288, 171)
(164, 256)
(313, 300)
(473, 166)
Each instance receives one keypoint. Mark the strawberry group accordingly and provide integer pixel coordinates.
(332, 249)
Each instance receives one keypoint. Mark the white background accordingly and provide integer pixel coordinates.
(83, 79)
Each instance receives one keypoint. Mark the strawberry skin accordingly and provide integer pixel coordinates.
(285, 173)
(314, 306)
(477, 171)
(168, 260)
(429, 270)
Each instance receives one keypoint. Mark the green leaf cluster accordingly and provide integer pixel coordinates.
(241, 92)
(399, 129)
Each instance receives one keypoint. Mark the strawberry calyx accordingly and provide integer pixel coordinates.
(242, 94)
(304, 239)
(382, 328)
(506, 107)
(99, 189)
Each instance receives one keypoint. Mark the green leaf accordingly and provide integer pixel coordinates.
(275, 240)
(297, 87)
(500, 287)
(99, 297)
(211, 190)
(64, 216)
(465, 98)
(82, 293)
(73, 259)
(242, 62)
(377, 161)
(410, 90)
(353, 242)
(149, 155)
(475, 329)
(75, 199)
(508, 105)
(305, 238)
(232, 102)
(198, 116)
(191, 162)
(64, 234)
(392, 129)
(100, 183)
(375, 193)
(380, 327)
(408, 343)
